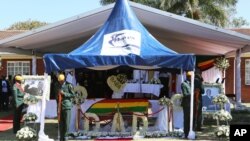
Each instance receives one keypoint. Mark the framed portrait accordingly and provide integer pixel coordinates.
(37, 85)
(210, 91)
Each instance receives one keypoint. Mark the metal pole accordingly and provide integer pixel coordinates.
(191, 134)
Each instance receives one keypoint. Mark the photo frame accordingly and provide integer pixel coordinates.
(210, 91)
(37, 85)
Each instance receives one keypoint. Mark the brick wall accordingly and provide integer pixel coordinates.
(39, 67)
(245, 89)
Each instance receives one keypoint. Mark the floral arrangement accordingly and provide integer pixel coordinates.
(155, 81)
(86, 121)
(91, 134)
(30, 99)
(118, 123)
(30, 117)
(222, 131)
(222, 115)
(26, 133)
(79, 98)
(176, 99)
(165, 101)
(221, 63)
(221, 99)
(117, 83)
(159, 134)
(134, 122)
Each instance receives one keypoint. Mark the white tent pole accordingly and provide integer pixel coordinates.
(182, 78)
(238, 77)
(191, 134)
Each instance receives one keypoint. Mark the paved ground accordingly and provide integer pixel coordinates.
(239, 117)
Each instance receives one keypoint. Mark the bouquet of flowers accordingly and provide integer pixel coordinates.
(221, 63)
(222, 115)
(30, 99)
(221, 99)
(26, 133)
(155, 81)
(30, 117)
(222, 131)
(165, 101)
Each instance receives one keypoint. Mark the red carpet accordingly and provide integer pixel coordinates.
(6, 123)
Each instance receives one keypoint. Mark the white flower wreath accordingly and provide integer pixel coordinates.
(118, 123)
(28, 117)
(117, 83)
(176, 100)
(134, 122)
(222, 115)
(30, 99)
(86, 121)
(26, 133)
(222, 131)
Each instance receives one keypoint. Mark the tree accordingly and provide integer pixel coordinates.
(238, 22)
(214, 12)
(27, 25)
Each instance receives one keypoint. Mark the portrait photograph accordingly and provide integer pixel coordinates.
(210, 91)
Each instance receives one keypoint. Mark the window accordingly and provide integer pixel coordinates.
(247, 72)
(18, 67)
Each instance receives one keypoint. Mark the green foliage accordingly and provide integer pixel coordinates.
(238, 22)
(27, 25)
(216, 12)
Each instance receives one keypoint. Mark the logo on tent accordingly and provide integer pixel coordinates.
(122, 42)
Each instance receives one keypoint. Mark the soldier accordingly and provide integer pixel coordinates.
(186, 91)
(65, 96)
(18, 94)
(198, 91)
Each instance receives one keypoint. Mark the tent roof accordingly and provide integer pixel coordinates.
(121, 41)
(180, 34)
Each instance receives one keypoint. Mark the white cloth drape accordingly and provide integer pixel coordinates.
(179, 80)
(211, 75)
(162, 120)
(37, 109)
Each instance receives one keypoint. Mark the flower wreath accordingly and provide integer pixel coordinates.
(117, 83)
(134, 122)
(28, 117)
(30, 99)
(86, 121)
(176, 100)
(118, 123)
(26, 133)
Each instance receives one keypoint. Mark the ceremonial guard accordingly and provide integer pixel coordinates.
(198, 91)
(65, 96)
(18, 94)
(186, 91)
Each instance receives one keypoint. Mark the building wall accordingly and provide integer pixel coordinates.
(245, 89)
(39, 66)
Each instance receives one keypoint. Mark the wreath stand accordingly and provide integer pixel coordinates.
(41, 135)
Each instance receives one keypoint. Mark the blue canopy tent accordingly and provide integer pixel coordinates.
(122, 41)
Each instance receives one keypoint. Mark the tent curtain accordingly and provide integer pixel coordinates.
(211, 75)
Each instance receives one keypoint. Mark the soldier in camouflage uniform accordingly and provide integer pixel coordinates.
(65, 96)
(18, 94)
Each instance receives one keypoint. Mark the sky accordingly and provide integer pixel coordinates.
(51, 11)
